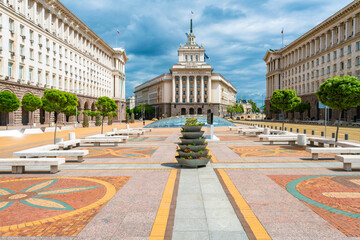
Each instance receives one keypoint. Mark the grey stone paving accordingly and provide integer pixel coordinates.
(203, 210)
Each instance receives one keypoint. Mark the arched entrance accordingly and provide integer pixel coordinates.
(24, 116)
(209, 110)
(358, 114)
(42, 116)
(183, 111)
(199, 111)
(4, 118)
(192, 112)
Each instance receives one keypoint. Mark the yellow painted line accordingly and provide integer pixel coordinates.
(253, 222)
(213, 158)
(159, 227)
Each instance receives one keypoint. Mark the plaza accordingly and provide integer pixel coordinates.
(249, 190)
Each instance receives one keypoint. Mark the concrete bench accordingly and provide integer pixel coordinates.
(37, 154)
(256, 131)
(289, 139)
(347, 144)
(321, 142)
(48, 147)
(348, 160)
(18, 164)
(108, 136)
(69, 144)
(97, 141)
(128, 132)
(141, 129)
(262, 136)
(337, 150)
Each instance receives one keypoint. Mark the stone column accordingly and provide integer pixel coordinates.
(332, 37)
(355, 25)
(195, 89)
(209, 89)
(187, 89)
(180, 89)
(346, 29)
(202, 89)
(326, 40)
(173, 89)
(339, 33)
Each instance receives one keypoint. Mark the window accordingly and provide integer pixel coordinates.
(358, 61)
(177, 92)
(335, 54)
(196, 58)
(11, 46)
(312, 63)
(21, 30)
(328, 70)
(191, 100)
(191, 58)
(328, 57)
(47, 60)
(183, 100)
(342, 52)
(205, 99)
(349, 49)
(10, 72)
(334, 67)
(205, 92)
(198, 92)
(349, 63)
(21, 69)
(342, 66)
(358, 46)
(39, 76)
(21, 49)
(39, 39)
(322, 59)
(31, 35)
(322, 71)
(183, 85)
(205, 78)
(30, 74)
(183, 92)
(191, 85)
(177, 100)
(11, 25)
(191, 92)
(317, 62)
(40, 57)
(205, 85)
(177, 85)
(185, 57)
(31, 53)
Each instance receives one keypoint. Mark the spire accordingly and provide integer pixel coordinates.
(190, 25)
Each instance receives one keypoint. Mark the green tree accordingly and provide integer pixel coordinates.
(59, 102)
(301, 108)
(105, 106)
(230, 110)
(31, 103)
(254, 107)
(110, 117)
(8, 103)
(285, 100)
(128, 110)
(85, 118)
(238, 108)
(340, 93)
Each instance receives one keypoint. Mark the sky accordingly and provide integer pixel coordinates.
(236, 33)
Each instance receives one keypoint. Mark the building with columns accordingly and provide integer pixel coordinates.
(191, 87)
(45, 46)
(330, 49)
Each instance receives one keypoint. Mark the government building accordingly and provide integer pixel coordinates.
(45, 46)
(191, 87)
(330, 49)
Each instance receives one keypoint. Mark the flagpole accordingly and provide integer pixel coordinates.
(282, 38)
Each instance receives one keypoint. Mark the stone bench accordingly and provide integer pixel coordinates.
(348, 160)
(48, 147)
(347, 144)
(108, 135)
(37, 154)
(69, 144)
(289, 139)
(97, 141)
(141, 129)
(18, 164)
(337, 150)
(321, 142)
(128, 132)
(262, 136)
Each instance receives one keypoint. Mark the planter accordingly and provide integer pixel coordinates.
(193, 162)
(188, 128)
(192, 148)
(193, 141)
(193, 154)
(192, 135)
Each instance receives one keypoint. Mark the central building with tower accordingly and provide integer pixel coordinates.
(191, 87)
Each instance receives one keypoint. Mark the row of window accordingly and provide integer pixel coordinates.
(191, 85)
(191, 100)
(191, 93)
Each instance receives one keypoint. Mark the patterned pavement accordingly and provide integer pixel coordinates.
(137, 191)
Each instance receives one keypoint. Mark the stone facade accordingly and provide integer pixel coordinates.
(191, 87)
(45, 46)
(330, 49)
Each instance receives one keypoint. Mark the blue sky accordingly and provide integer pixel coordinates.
(235, 33)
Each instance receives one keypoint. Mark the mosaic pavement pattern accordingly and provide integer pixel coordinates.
(123, 152)
(272, 151)
(146, 139)
(335, 198)
(53, 206)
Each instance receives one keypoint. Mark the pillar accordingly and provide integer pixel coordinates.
(173, 89)
(180, 89)
(332, 37)
(355, 25)
(202, 89)
(209, 89)
(187, 89)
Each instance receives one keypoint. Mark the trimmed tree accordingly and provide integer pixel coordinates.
(105, 106)
(230, 110)
(31, 103)
(254, 107)
(59, 101)
(285, 100)
(301, 108)
(340, 93)
(8, 103)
